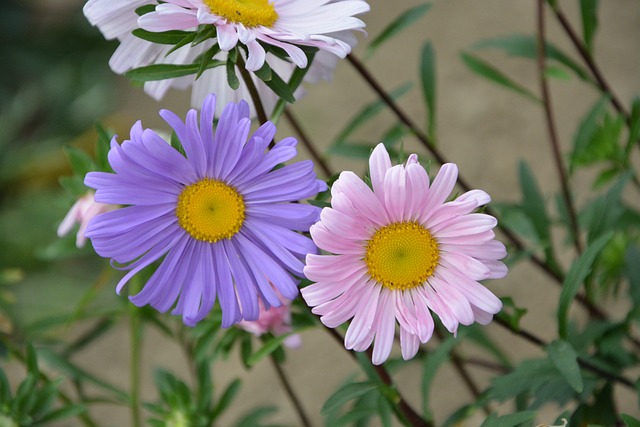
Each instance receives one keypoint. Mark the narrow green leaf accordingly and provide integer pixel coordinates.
(586, 130)
(428, 80)
(578, 272)
(510, 420)
(143, 10)
(397, 25)
(346, 394)
(172, 37)
(206, 58)
(526, 46)
(264, 73)
(77, 374)
(103, 145)
(488, 71)
(280, 87)
(227, 397)
(565, 358)
(269, 347)
(368, 112)
(166, 71)
(589, 12)
(232, 77)
(630, 421)
(32, 360)
(533, 203)
(62, 413)
(294, 81)
(80, 162)
(255, 416)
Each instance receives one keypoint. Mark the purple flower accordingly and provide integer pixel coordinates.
(221, 219)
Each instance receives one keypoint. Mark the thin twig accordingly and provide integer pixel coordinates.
(407, 411)
(588, 59)
(135, 333)
(458, 365)
(306, 141)
(304, 419)
(551, 128)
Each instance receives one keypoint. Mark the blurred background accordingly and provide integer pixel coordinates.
(55, 85)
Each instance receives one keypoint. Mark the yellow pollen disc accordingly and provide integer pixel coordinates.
(210, 210)
(402, 255)
(250, 13)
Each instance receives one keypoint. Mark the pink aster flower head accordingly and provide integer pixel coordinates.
(401, 252)
(221, 219)
(284, 24)
(276, 320)
(82, 211)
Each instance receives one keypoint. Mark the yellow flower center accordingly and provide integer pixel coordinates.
(210, 210)
(402, 255)
(250, 13)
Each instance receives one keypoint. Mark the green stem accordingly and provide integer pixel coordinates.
(135, 334)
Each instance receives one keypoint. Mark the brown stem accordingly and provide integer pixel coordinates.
(306, 141)
(407, 411)
(253, 90)
(458, 365)
(551, 128)
(304, 419)
(588, 59)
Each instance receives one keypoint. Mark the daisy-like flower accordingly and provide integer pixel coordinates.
(276, 320)
(117, 19)
(402, 252)
(280, 23)
(82, 211)
(220, 219)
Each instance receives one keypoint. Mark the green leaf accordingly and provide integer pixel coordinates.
(397, 25)
(428, 80)
(356, 151)
(511, 313)
(227, 397)
(143, 10)
(587, 128)
(280, 87)
(166, 71)
(630, 421)
(80, 162)
(565, 358)
(346, 394)
(172, 37)
(533, 203)
(526, 46)
(577, 273)
(232, 77)
(589, 12)
(253, 418)
(510, 420)
(103, 145)
(488, 71)
(62, 413)
(32, 360)
(206, 58)
(271, 345)
(78, 374)
(369, 112)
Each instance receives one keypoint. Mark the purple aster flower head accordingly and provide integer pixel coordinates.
(401, 251)
(220, 219)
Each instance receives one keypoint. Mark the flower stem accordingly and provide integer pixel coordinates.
(135, 335)
(306, 141)
(253, 90)
(297, 404)
(411, 416)
(551, 127)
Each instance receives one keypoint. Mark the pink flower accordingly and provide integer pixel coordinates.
(402, 252)
(81, 213)
(276, 320)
